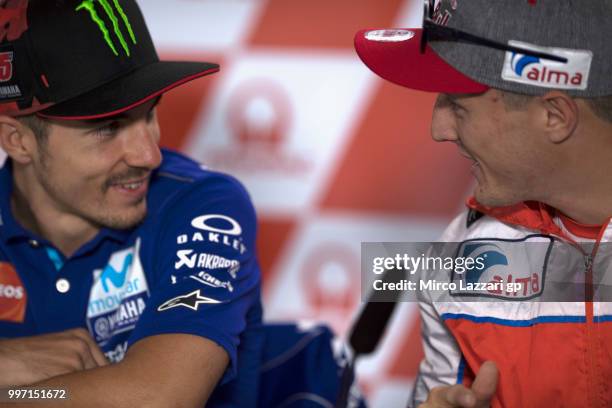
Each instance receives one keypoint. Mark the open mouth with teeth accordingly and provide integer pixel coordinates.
(133, 188)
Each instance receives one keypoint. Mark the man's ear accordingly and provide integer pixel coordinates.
(16, 139)
(561, 115)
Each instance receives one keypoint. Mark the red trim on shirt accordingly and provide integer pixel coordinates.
(580, 230)
(530, 214)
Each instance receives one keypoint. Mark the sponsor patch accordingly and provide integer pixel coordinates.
(529, 70)
(209, 280)
(9, 88)
(389, 35)
(13, 297)
(513, 269)
(117, 353)
(187, 258)
(191, 301)
(118, 296)
(217, 223)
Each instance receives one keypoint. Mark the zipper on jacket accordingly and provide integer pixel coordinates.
(588, 262)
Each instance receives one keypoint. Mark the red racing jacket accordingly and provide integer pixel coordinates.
(551, 340)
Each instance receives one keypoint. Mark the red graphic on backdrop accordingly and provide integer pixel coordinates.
(13, 19)
(330, 279)
(13, 297)
(259, 117)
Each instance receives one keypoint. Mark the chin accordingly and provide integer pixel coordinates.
(124, 218)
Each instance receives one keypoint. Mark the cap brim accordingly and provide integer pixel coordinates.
(129, 91)
(395, 55)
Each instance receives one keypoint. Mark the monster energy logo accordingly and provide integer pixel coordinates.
(89, 5)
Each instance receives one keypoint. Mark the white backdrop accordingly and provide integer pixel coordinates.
(331, 154)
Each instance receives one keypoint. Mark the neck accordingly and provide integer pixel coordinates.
(31, 207)
(583, 187)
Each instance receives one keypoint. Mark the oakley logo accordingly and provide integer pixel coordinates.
(202, 223)
(113, 16)
(530, 70)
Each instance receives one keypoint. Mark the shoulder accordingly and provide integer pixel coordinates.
(185, 197)
(181, 181)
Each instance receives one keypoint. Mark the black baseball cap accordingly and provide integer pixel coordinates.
(81, 59)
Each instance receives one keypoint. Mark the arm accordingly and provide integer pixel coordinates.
(440, 377)
(32, 359)
(158, 371)
(442, 356)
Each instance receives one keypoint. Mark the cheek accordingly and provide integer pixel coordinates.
(76, 174)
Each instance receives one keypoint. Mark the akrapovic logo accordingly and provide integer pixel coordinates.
(116, 16)
(541, 72)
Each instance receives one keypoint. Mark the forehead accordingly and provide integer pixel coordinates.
(132, 114)
(491, 96)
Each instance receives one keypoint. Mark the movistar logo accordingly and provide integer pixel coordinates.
(116, 277)
(90, 5)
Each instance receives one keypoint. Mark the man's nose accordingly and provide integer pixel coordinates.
(141, 147)
(443, 124)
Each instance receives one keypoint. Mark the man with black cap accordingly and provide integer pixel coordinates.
(526, 95)
(112, 251)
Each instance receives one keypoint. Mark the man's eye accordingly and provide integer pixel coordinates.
(456, 108)
(109, 129)
(151, 114)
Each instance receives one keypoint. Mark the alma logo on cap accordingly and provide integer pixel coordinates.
(540, 72)
(89, 5)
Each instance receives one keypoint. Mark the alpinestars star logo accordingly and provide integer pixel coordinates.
(90, 5)
(191, 301)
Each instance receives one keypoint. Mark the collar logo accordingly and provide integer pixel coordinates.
(114, 12)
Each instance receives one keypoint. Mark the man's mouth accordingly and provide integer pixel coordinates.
(131, 185)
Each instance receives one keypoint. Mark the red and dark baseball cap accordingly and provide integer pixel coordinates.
(523, 46)
(81, 59)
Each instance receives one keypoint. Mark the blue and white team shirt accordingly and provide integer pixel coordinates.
(189, 267)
